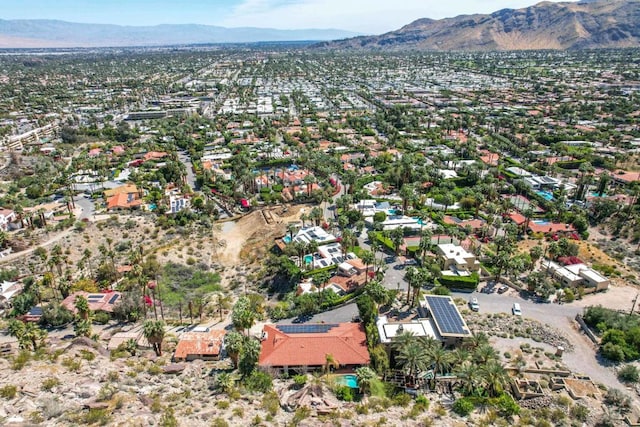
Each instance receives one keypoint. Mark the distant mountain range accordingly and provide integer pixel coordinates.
(583, 25)
(49, 34)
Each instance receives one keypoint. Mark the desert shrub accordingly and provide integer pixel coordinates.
(259, 381)
(101, 317)
(97, 416)
(168, 419)
(629, 374)
(54, 315)
(20, 360)
(223, 404)
(219, 422)
(154, 369)
(345, 393)
(299, 380)
(72, 364)
(8, 391)
(49, 383)
(617, 398)
(87, 355)
(579, 412)
(271, 403)
(402, 399)
(463, 407)
(301, 413)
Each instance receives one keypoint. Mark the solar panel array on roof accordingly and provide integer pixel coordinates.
(321, 328)
(35, 311)
(446, 316)
(114, 298)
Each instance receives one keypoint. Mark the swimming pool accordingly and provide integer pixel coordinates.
(541, 222)
(348, 380)
(308, 259)
(286, 239)
(547, 195)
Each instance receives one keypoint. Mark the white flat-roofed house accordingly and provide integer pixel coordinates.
(418, 328)
(7, 216)
(592, 279)
(457, 259)
(577, 275)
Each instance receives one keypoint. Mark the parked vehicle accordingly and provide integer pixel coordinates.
(502, 289)
(516, 309)
(473, 304)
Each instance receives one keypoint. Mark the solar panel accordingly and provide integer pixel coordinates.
(446, 316)
(318, 328)
(114, 298)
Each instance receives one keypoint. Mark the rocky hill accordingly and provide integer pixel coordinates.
(582, 25)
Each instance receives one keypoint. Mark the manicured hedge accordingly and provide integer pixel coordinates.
(460, 282)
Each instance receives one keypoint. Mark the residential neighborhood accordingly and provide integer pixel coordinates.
(278, 235)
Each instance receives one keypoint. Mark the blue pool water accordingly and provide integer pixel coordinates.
(152, 206)
(595, 194)
(541, 222)
(308, 259)
(545, 195)
(419, 221)
(286, 239)
(349, 380)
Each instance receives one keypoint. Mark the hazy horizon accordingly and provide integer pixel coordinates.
(363, 16)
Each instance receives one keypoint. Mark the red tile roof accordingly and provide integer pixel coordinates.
(123, 201)
(97, 301)
(346, 342)
(200, 344)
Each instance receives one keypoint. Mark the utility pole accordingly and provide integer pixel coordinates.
(634, 304)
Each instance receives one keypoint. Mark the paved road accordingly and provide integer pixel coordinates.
(87, 205)
(183, 156)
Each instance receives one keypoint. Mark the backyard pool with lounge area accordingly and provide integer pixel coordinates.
(349, 380)
(547, 195)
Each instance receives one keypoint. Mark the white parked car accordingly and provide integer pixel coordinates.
(473, 304)
(516, 309)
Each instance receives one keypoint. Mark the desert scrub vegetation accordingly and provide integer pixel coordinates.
(49, 383)
(8, 391)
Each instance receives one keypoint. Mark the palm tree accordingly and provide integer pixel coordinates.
(494, 378)
(82, 328)
(233, 343)
(484, 354)
(226, 382)
(411, 276)
(475, 341)
(365, 376)
(28, 334)
(153, 331)
(330, 362)
(440, 359)
(368, 258)
(469, 375)
(412, 358)
(82, 306)
(425, 242)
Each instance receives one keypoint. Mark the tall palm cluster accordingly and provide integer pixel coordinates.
(476, 364)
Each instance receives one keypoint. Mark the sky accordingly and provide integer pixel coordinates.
(364, 16)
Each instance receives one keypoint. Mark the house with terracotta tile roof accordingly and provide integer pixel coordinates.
(154, 155)
(203, 344)
(123, 201)
(97, 301)
(305, 347)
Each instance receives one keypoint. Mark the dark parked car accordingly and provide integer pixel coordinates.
(502, 289)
